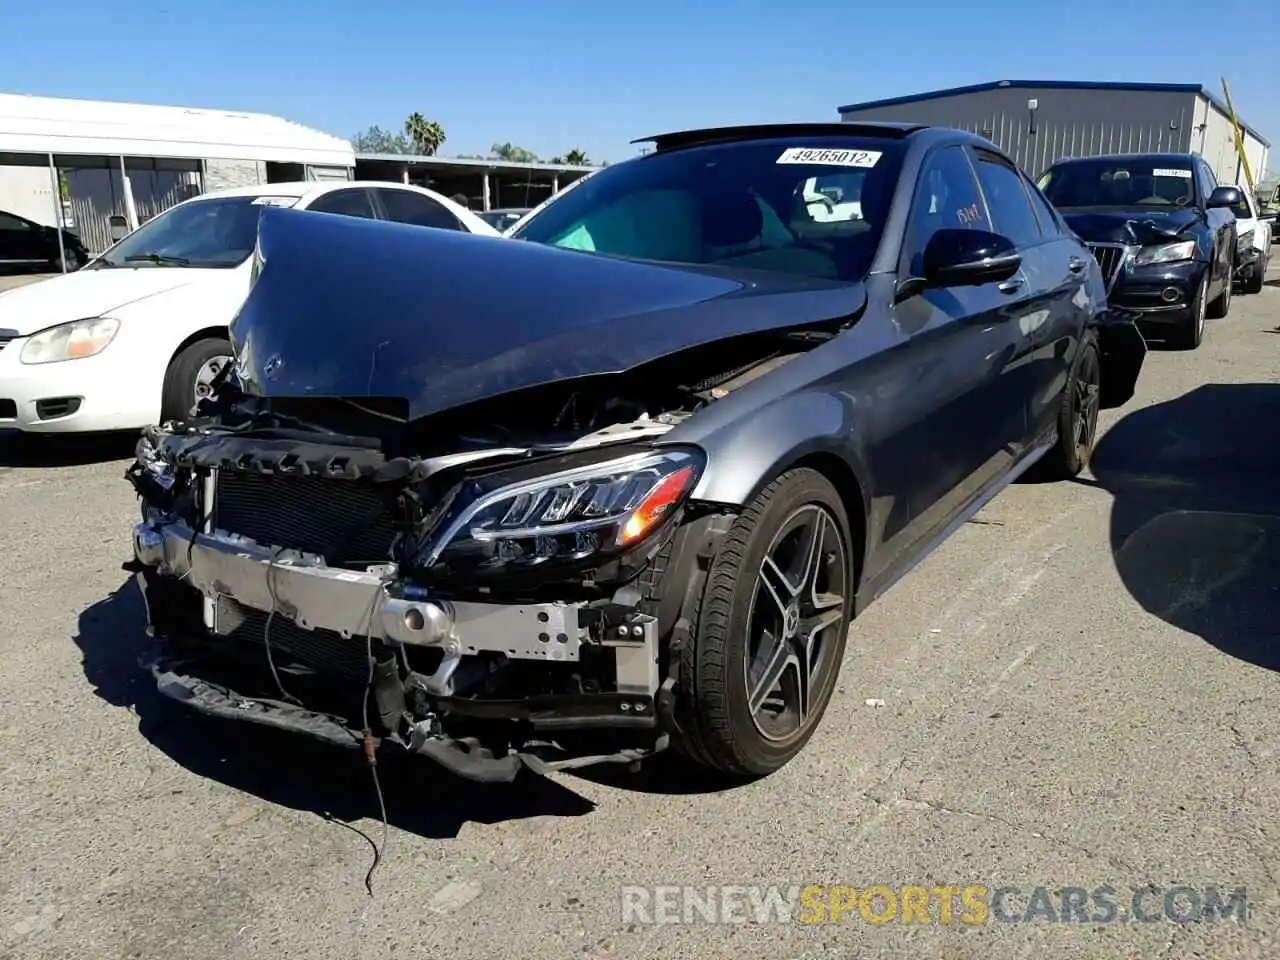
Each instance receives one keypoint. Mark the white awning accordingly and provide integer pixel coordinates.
(43, 125)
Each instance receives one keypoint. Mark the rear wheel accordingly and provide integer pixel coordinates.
(769, 633)
(190, 376)
(1077, 416)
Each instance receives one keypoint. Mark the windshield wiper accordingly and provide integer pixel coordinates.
(158, 258)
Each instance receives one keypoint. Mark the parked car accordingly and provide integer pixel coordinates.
(139, 333)
(1253, 242)
(568, 500)
(25, 243)
(1163, 231)
(502, 219)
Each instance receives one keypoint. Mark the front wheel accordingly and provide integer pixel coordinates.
(769, 635)
(190, 376)
(1253, 283)
(1221, 304)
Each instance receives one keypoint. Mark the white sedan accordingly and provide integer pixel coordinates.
(136, 336)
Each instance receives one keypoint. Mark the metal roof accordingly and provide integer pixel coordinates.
(1120, 86)
(414, 159)
(760, 131)
(43, 125)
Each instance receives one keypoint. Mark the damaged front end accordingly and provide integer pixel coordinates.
(478, 607)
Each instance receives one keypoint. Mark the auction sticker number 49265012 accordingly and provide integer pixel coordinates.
(835, 158)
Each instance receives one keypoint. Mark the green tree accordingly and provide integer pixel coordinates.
(377, 140)
(512, 154)
(577, 158)
(427, 135)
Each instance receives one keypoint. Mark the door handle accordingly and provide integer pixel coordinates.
(1009, 286)
(1076, 264)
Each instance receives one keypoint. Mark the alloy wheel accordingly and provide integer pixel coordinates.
(205, 376)
(1087, 403)
(1202, 306)
(797, 609)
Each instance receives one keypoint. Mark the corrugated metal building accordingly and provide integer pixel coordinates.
(1039, 121)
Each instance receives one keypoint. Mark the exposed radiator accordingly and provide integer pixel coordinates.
(321, 651)
(348, 522)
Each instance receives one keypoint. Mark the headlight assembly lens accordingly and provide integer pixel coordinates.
(1166, 253)
(70, 341)
(571, 515)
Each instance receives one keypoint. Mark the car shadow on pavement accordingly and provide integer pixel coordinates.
(1195, 526)
(288, 769)
(73, 450)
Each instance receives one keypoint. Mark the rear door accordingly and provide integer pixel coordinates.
(1050, 311)
(407, 206)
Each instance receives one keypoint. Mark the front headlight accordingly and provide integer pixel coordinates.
(1166, 253)
(70, 341)
(569, 516)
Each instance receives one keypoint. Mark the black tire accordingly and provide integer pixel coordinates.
(1221, 304)
(180, 379)
(718, 728)
(1189, 334)
(1077, 415)
(1253, 283)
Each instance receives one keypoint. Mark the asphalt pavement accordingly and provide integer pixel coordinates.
(1078, 690)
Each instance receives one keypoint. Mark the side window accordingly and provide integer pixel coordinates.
(1207, 180)
(404, 206)
(1050, 225)
(9, 222)
(1011, 212)
(349, 203)
(946, 197)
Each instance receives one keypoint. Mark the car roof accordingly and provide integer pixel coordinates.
(299, 188)
(770, 131)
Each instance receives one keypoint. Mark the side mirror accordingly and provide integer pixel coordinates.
(1226, 197)
(968, 258)
(118, 226)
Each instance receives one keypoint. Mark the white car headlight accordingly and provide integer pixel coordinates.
(1166, 253)
(70, 341)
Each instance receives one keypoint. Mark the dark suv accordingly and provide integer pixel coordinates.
(1161, 228)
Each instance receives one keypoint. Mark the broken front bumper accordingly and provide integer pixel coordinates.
(359, 607)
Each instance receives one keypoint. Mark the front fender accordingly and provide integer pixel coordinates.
(745, 454)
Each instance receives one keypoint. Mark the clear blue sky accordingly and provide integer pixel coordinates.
(557, 74)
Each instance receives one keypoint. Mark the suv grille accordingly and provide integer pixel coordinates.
(348, 522)
(1111, 258)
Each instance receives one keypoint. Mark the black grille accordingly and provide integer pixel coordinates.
(348, 522)
(1110, 259)
(320, 651)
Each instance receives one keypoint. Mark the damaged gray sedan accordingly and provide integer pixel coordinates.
(622, 481)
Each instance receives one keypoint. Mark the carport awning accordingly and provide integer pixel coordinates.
(45, 125)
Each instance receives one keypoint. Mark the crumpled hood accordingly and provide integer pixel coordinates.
(440, 318)
(88, 293)
(1140, 225)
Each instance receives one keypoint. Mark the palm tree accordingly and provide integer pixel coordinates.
(427, 135)
(576, 158)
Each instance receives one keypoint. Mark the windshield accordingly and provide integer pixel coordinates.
(1130, 182)
(200, 233)
(815, 209)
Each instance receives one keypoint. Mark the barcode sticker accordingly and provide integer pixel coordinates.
(836, 158)
(1182, 174)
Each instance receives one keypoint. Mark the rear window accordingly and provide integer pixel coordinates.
(815, 208)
